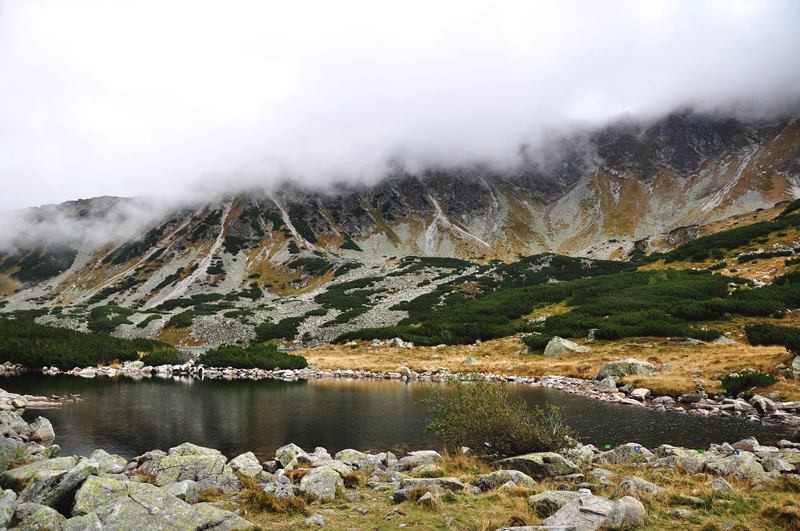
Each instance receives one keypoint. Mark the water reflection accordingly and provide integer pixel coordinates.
(130, 416)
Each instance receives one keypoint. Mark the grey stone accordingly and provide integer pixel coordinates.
(607, 383)
(95, 492)
(681, 514)
(358, 460)
(427, 500)
(11, 451)
(41, 430)
(291, 453)
(795, 368)
(89, 522)
(8, 499)
(553, 498)
(206, 466)
(628, 453)
(433, 483)
(589, 513)
(247, 465)
(721, 485)
(321, 483)
(771, 464)
(185, 490)
(743, 466)
(636, 487)
(34, 517)
(487, 482)
(317, 519)
(559, 346)
(469, 360)
(624, 367)
(107, 463)
(540, 465)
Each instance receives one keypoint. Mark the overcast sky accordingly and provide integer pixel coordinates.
(128, 98)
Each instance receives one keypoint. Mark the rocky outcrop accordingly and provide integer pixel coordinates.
(559, 347)
(540, 465)
(624, 367)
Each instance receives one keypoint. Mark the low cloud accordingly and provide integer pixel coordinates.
(177, 99)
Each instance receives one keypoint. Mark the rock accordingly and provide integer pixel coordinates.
(665, 367)
(206, 466)
(427, 500)
(487, 482)
(415, 459)
(317, 519)
(554, 499)
(743, 466)
(773, 464)
(664, 400)
(795, 368)
(9, 478)
(55, 488)
(280, 488)
(469, 360)
(721, 485)
(722, 340)
(34, 517)
(89, 522)
(11, 452)
(183, 490)
(339, 467)
(433, 484)
(746, 444)
(109, 464)
(291, 454)
(627, 453)
(41, 430)
(763, 405)
(607, 383)
(681, 514)
(589, 513)
(358, 460)
(640, 394)
(540, 465)
(97, 491)
(624, 367)
(670, 456)
(8, 500)
(247, 465)
(321, 483)
(693, 398)
(636, 487)
(559, 346)
(149, 507)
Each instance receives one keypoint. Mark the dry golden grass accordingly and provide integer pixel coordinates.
(498, 357)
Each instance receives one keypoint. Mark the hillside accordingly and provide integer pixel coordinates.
(294, 264)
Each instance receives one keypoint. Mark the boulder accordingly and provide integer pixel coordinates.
(746, 444)
(607, 383)
(247, 465)
(147, 507)
(495, 479)
(183, 490)
(624, 367)
(206, 466)
(546, 501)
(721, 485)
(11, 452)
(413, 459)
(56, 488)
(559, 346)
(636, 487)
(640, 394)
(291, 454)
(540, 465)
(772, 464)
(589, 513)
(321, 484)
(795, 368)
(627, 453)
(763, 405)
(669, 456)
(432, 484)
(97, 491)
(107, 463)
(41, 430)
(12, 478)
(280, 488)
(34, 517)
(8, 499)
(428, 501)
(743, 466)
(358, 460)
(469, 360)
(339, 467)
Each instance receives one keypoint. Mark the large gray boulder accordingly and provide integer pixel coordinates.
(625, 367)
(540, 465)
(148, 508)
(183, 490)
(795, 368)
(546, 501)
(498, 478)
(291, 455)
(743, 466)
(11, 451)
(34, 517)
(280, 488)
(636, 487)
(247, 465)
(625, 454)
(8, 499)
(358, 460)
(55, 488)
(321, 484)
(415, 459)
(13, 478)
(667, 456)
(206, 466)
(107, 463)
(559, 346)
(432, 484)
(589, 513)
(96, 492)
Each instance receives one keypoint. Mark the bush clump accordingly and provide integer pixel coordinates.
(165, 356)
(253, 357)
(483, 416)
(739, 383)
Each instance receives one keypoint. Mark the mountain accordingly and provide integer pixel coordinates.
(271, 256)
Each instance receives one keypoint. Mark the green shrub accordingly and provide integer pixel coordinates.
(165, 356)
(734, 385)
(483, 416)
(253, 357)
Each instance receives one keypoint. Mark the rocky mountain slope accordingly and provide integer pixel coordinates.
(267, 255)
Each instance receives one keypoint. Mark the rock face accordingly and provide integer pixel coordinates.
(491, 481)
(206, 466)
(624, 367)
(559, 346)
(540, 465)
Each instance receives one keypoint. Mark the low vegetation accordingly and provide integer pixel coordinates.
(255, 356)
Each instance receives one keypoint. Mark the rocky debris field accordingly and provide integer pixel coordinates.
(194, 488)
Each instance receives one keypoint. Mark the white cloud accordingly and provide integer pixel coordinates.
(126, 98)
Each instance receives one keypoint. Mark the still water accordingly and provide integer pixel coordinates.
(130, 416)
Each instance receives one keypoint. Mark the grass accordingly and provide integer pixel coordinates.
(761, 510)
(498, 357)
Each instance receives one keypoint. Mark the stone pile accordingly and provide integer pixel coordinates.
(16, 402)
